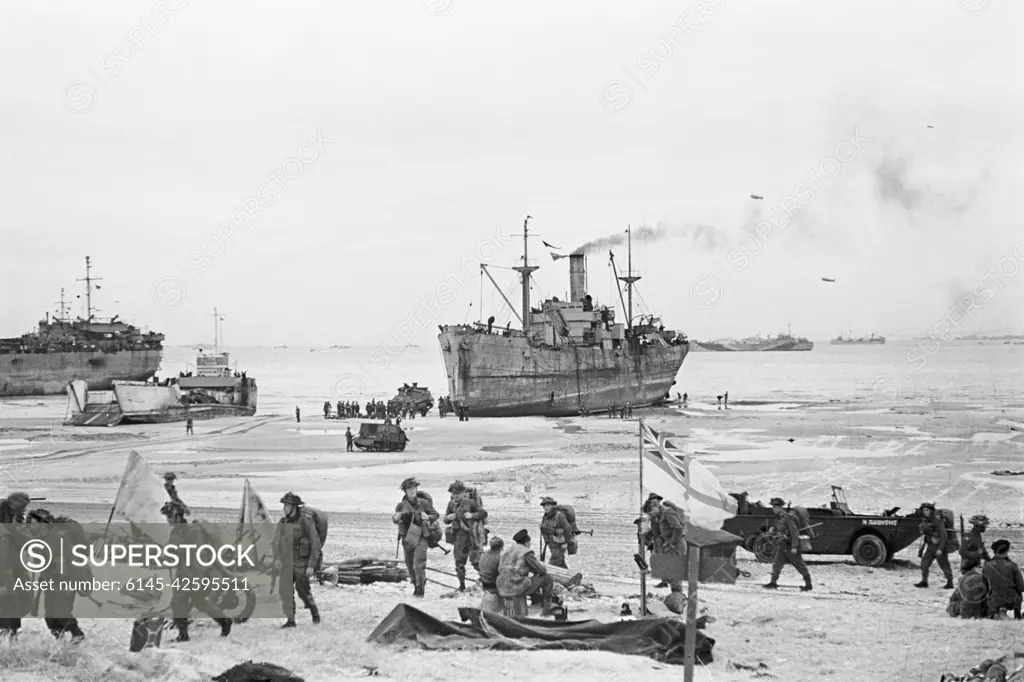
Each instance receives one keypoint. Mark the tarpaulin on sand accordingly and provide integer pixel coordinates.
(659, 638)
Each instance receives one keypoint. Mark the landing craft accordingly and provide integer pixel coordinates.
(827, 279)
(754, 196)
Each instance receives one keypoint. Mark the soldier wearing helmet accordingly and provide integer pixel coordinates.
(185, 600)
(934, 548)
(297, 529)
(787, 546)
(973, 546)
(412, 515)
(556, 531)
(465, 517)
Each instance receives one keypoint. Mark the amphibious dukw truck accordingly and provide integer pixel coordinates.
(872, 539)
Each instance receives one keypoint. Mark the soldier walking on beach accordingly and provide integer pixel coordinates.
(667, 532)
(466, 518)
(934, 548)
(787, 546)
(556, 531)
(412, 515)
(188, 426)
(58, 605)
(726, 400)
(184, 599)
(298, 415)
(973, 546)
(349, 439)
(297, 529)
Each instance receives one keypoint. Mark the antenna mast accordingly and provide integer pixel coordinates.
(88, 289)
(525, 269)
(630, 277)
(63, 306)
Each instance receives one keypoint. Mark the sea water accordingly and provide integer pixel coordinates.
(979, 374)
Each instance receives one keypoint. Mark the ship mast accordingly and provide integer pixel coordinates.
(217, 319)
(88, 289)
(63, 307)
(630, 278)
(525, 269)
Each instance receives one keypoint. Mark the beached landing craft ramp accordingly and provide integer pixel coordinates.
(568, 355)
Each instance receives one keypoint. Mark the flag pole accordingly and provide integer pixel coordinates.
(690, 644)
(640, 526)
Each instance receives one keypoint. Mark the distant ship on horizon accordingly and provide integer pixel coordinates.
(858, 341)
(780, 342)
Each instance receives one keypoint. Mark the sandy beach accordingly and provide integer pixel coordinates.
(858, 624)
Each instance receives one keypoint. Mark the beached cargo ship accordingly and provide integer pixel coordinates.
(568, 355)
(858, 341)
(214, 391)
(781, 342)
(95, 351)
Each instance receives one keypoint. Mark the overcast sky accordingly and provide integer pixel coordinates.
(134, 130)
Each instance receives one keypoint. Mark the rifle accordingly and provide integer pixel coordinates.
(962, 534)
(584, 532)
(543, 548)
(398, 544)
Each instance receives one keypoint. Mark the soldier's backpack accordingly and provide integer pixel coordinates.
(570, 515)
(948, 520)
(572, 545)
(474, 495)
(319, 520)
(803, 521)
(433, 532)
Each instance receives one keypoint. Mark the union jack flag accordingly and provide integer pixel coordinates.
(682, 480)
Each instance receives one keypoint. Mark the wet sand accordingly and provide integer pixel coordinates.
(882, 457)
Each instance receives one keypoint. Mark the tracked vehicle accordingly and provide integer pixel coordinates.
(414, 398)
(381, 438)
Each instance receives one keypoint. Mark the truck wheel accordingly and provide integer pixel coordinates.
(764, 548)
(870, 550)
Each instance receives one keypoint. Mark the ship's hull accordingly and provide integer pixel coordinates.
(49, 373)
(504, 376)
(858, 342)
(752, 347)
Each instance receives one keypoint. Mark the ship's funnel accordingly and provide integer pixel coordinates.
(577, 277)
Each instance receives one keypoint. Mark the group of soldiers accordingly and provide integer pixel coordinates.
(501, 572)
(345, 410)
(990, 585)
(375, 409)
(294, 527)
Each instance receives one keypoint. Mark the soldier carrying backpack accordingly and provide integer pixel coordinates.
(558, 531)
(939, 533)
(466, 532)
(297, 528)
